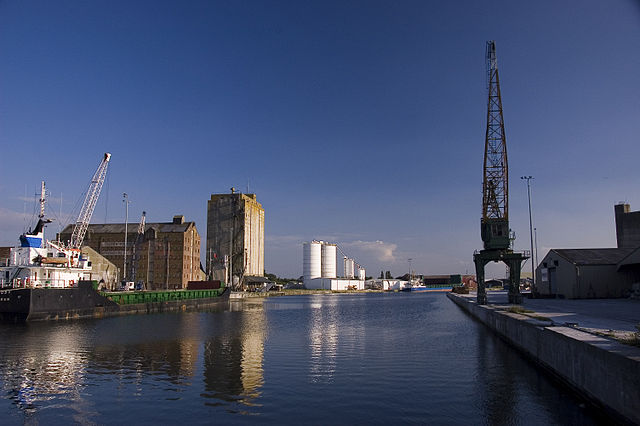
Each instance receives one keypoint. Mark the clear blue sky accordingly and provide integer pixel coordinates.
(357, 122)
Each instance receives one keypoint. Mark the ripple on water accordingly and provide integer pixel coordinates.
(377, 358)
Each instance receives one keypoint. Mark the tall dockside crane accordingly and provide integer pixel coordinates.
(90, 200)
(137, 247)
(494, 225)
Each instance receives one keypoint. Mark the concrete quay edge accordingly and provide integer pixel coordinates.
(600, 369)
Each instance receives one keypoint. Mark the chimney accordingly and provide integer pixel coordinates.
(178, 219)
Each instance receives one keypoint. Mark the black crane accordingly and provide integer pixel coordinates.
(494, 225)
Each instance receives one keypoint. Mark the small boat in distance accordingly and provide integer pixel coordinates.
(416, 285)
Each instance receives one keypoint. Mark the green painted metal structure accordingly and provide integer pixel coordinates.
(134, 297)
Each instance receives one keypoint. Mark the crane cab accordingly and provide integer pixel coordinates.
(495, 234)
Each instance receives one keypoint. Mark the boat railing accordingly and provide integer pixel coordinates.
(23, 283)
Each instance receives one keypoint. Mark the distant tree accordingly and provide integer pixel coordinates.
(388, 276)
(272, 277)
(381, 274)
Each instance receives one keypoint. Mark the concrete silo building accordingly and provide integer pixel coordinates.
(235, 236)
(319, 268)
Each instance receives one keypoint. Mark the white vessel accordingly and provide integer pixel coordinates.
(38, 263)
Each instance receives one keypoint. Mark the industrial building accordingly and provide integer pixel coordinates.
(627, 226)
(235, 236)
(165, 256)
(588, 273)
(319, 269)
(102, 270)
(595, 272)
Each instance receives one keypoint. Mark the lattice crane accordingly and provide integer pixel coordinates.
(143, 220)
(135, 264)
(495, 185)
(494, 225)
(90, 200)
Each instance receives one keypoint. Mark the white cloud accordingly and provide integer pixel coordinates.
(379, 250)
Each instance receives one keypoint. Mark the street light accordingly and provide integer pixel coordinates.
(125, 200)
(533, 266)
(535, 238)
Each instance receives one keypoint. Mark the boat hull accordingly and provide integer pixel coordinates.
(421, 289)
(39, 304)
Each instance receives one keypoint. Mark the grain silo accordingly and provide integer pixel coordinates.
(349, 267)
(311, 260)
(362, 275)
(329, 253)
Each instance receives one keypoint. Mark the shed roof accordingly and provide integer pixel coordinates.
(595, 256)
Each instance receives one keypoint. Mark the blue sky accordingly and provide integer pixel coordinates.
(357, 122)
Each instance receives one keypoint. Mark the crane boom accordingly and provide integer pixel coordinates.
(90, 200)
(495, 185)
(494, 224)
(142, 224)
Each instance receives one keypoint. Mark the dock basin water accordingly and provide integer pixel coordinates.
(381, 358)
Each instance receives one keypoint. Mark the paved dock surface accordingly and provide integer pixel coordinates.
(621, 315)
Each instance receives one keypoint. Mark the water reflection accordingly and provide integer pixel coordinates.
(378, 358)
(45, 365)
(137, 358)
(323, 338)
(497, 391)
(233, 359)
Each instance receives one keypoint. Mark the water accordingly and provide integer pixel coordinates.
(319, 359)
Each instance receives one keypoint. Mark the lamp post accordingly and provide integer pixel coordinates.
(533, 266)
(535, 238)
(125, 200)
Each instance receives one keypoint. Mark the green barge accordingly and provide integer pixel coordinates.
(84, 301)
(136, 297)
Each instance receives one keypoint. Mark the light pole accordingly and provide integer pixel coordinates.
(125, 200)
(533, 266)
(535, 238)
(410, 273)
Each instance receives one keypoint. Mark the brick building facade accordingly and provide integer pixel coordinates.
(166, 256)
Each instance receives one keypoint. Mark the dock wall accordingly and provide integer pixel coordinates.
(602, 370)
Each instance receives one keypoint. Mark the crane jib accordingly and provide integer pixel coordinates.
(89, 204)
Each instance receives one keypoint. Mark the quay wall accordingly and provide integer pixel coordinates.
(602, 370)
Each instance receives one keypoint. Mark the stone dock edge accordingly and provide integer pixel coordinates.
(601, 370)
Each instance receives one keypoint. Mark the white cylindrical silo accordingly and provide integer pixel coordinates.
(349, 266)
(329, 253)
(362, 274)
(311, 260)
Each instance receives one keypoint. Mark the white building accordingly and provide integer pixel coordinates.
(319, 261)
(388, 284)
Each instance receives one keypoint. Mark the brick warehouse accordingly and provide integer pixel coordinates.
(166, 256)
